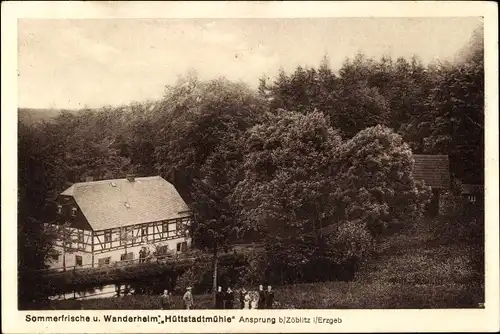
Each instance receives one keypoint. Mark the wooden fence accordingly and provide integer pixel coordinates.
(239, 248)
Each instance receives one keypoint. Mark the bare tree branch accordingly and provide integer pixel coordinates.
(474, 122)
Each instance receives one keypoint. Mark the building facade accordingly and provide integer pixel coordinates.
(102, 222)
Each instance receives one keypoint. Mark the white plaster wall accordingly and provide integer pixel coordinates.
(70, 259)
(114, 254)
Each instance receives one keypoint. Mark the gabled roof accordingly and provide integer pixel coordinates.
(434, 170)
(113, 203)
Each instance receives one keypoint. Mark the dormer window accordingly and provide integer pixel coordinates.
(59, 209)
(73, 211)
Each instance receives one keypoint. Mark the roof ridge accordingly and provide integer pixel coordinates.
(113, 180)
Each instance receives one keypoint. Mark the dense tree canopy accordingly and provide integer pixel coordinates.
(374, 183)
(288, 173)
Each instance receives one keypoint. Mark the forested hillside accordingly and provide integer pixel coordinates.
(313, 148)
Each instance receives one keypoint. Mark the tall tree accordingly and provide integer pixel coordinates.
(287, 173)
(35, 246)
(198, 145)
(195, 118)
(457, 109)
(374, 184)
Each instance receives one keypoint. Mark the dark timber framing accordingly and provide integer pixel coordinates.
(176, 228)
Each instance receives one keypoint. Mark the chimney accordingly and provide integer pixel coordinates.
(89, 179)
(131, 177)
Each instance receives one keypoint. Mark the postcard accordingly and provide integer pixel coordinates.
(249, 167)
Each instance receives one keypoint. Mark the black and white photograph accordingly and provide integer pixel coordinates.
(252, 163)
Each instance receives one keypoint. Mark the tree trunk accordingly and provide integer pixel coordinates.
(214, 265)
(64, 256)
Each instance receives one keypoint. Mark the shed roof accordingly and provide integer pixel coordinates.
(114, 203)
(434, 170)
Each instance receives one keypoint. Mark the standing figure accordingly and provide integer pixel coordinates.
(246, 301)
(229, 299)
(141, 255)
(118, 289)
(166, 300)
(188, 299)
(219, 299)
(262, 298)
(254, 299)
(243, 293)
(269, 297)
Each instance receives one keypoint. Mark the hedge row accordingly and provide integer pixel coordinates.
(87, 279)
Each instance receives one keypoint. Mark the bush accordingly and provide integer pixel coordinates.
(307, 259)
(198, 276)
(352, 241)
(458, 228)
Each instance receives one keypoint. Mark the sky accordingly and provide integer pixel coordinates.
(77, 63)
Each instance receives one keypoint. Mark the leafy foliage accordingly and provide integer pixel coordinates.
(287, 173)
(374, 181)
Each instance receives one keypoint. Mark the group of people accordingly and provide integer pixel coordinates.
(144, 255)
(167, 301)
(262, 299)
(224, 299)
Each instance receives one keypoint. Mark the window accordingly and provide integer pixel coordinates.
(144, 233)
(162, 250)
(59, 209)
(78, 261)
(55, 257)
(181, 247)
(172, 229)
(183, 230)
(107, 237)
(104, 261)
(179, 228)
(68, 239)
(472, 199)
(127, 256)
(80, 239)
(125, 236)
(164, 230)
(73, 211)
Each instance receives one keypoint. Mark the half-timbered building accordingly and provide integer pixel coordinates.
(112, 220)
